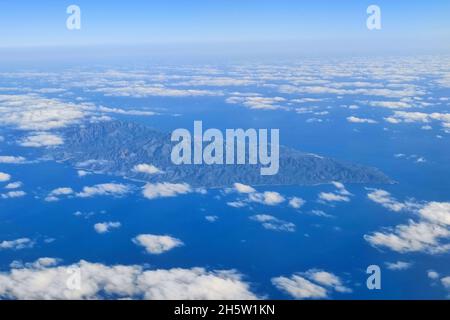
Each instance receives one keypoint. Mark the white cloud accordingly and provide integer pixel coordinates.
(389, 104)
(126, 112)
(271, 223)
(142, 91)
(99, 281)
(82, 173)
(419, 117)
(398, 266)
(105, 189)
(341, 188)
(215, 81)
(146, 168)
(13, 194)
(360, 120)
(333, 197)
(243, 188)
(38, 264)
(105, 227)
(14, 185)
(156, 244)
(430, 234)
(382, 92)
(237, 204)
(269, 198)
(312, 284)
(12, 159)
(91, 163)
(18, 244)
(299, 288)
(165, 189)
(386, 200)
(211, 218)
(4, 177)
(436, 212)
(413, 237)
(33, 112)
(392, 120)
(54, 194)
(258, 102)
(404, 116)
(41, 139)
(432, 274)
(320, 213)
(446, 282)
(296, 202)
(326, 279)
(61, 191)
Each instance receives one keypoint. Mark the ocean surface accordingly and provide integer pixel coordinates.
(328, 235)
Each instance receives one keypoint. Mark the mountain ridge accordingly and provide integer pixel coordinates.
(115, 147)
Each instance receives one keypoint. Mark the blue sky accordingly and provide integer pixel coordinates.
(324, 25)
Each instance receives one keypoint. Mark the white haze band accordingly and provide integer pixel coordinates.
(190, 150)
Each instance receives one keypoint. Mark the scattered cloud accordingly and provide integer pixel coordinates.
(341, 188)
(414, 157)
(18, 244)
(243, 188)
(333, 197)
(212, 218)
(99, 281)
(33, 112)
(156, 244)
(258, 102)
(300, 288)
(105, 189)
(398, 266)
(41, 139)
(14, 185)
(341, 195)
(12, 159)
(296, 202)
(436, 212)
(38, 264)
(312, 284)
(390, 104)
(419, 117)
(353, 119)
(126, 112)
(82, 173)
(412, 237)
(146, 168)
(13, 194)
(429, 235)
(446, 282)
(432, 274)
(4, 177)
(271, 223)
(56, 193)
(165, 190)
(104, 227)
(320, 213)
(386, 200)
(269, 198)
(142, 91)
(237, 204)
